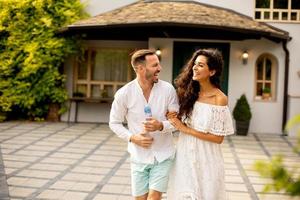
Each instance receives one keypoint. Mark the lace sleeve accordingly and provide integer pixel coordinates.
(220, 122)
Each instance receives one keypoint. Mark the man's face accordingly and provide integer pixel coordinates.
(152, 68)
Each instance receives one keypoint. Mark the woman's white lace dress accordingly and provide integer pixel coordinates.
(198, 172)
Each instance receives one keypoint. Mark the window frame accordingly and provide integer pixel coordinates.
(274, 74)
(271, 11)
(88, 82)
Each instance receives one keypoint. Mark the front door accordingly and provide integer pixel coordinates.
(184, 51)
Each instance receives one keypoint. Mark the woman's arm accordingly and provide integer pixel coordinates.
(198, 134)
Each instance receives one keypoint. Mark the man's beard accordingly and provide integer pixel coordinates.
(150, 76)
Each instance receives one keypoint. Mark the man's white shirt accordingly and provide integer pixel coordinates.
(129, 103)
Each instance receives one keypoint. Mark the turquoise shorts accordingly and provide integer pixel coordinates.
(150, 176)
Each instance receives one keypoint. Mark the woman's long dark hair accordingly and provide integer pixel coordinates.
(188, 89)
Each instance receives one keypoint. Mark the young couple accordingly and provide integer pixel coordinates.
(202, 117)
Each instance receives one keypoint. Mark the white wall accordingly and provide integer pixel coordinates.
(294, 105)
(245, 7)
(294, 49)
(95, 7)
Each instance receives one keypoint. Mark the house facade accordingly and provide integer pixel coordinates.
(259, 40)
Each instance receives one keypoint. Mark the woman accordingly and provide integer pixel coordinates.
(198, 172)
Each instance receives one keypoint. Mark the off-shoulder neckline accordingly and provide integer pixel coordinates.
(212, 105)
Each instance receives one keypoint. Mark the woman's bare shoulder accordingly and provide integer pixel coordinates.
(221, 99)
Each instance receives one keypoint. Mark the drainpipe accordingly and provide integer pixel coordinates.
(286, 83)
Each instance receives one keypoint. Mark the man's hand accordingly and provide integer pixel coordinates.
(152, 124)
(142, 140)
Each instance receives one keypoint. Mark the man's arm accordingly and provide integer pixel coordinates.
(117, 116)
(172, 107)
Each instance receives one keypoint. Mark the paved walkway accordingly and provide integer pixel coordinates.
(88, 162)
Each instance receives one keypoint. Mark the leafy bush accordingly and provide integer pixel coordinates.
(282, 178)
(32, 54)
(242, 111)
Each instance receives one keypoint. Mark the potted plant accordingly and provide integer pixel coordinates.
(242, 115)
(266, 93)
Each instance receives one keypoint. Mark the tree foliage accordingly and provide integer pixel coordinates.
(32, 53)
(282, 178)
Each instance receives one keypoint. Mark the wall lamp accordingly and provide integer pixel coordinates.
(158, 53)
(245, 56)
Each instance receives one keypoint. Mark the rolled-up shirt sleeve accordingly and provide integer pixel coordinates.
(117, 117)
(172, 107)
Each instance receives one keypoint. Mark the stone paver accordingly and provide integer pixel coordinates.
(88, 162)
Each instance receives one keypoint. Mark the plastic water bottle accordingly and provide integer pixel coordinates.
(148, 115)
(147, 111)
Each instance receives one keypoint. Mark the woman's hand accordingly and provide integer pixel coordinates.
(178, 124)
(171, 114)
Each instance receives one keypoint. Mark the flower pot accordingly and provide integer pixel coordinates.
(266, 96)
(242, 127)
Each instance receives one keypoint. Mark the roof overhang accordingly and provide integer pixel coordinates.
(143, 31)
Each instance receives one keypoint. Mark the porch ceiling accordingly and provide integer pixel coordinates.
(174, 19)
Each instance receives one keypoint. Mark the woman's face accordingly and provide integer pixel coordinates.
(201, 71)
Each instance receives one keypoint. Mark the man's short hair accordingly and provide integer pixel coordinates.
(139, 57)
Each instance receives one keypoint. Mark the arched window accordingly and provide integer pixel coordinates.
(265, 77)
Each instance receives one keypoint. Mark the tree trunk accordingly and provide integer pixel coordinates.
(53, 113)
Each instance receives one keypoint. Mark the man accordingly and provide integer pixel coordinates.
(149, 140)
